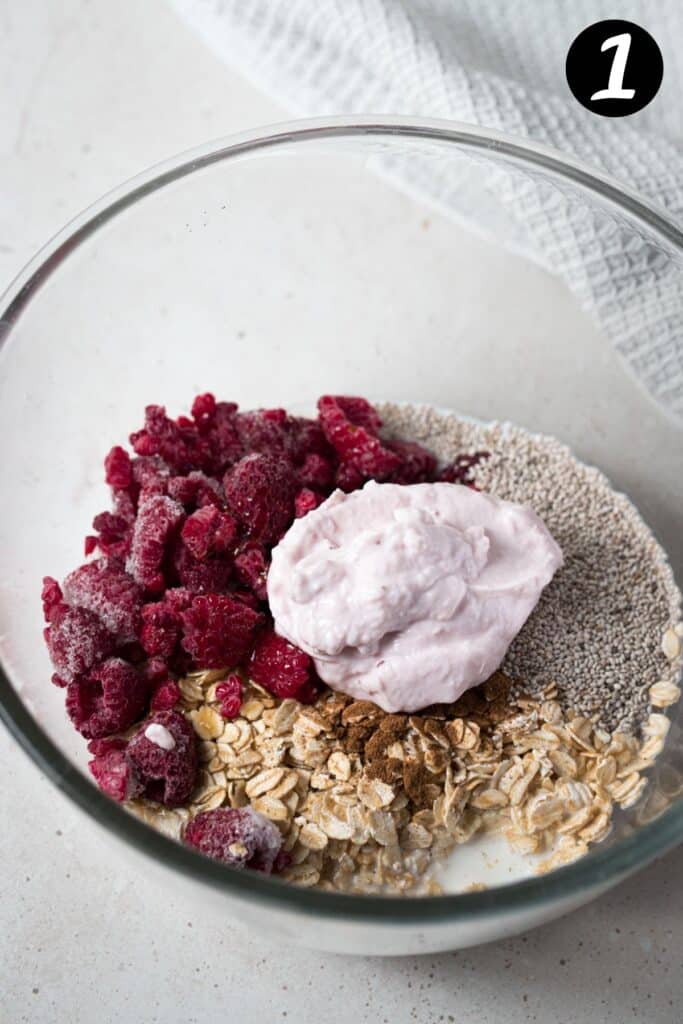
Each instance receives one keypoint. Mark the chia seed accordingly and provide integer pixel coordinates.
(597, 629)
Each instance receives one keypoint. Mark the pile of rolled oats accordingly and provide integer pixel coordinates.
(371, 802)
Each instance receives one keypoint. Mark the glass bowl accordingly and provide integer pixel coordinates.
(270, 268)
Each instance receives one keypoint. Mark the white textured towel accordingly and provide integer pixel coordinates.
(499, 64)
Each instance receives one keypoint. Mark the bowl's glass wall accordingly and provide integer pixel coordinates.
(271, 279)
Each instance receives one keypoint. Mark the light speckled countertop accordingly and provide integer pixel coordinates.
(89, 95)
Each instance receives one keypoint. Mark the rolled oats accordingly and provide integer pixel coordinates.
(369, 802)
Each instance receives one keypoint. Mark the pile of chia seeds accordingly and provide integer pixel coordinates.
(597, 629)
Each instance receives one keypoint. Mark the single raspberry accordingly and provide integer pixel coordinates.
(280, 667)
(317, 472)
(117, 467)
(203, 409)
(229, 693)
(238, 836)
(160, 629)
(208, 577)
(114, 532)
(51, 596)
(208, 531)
(305, 501)
(109, 699)
(115, 775)
(198, 529)
(418, 465)
(259, 491)
(124, 506)
(166, 696)
(263, 430)
(357, 411)
(150, 476)
(251, 569)
(460, 470)
(350, 425)
(110, 593)
(158, 518)
(222, 436)
(165, 758)
(76, 640)
(218, 630)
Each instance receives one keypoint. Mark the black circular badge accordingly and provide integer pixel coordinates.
(614, 68)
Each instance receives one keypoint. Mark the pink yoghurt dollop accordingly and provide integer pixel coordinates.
(409, 595)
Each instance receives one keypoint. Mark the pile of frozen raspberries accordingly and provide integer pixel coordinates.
(180, 578)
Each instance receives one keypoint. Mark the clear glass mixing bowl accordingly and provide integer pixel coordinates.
(271, 268)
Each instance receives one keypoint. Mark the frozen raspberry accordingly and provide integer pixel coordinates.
(417, 464)
(124, 506)
(222, 436)
(238, 836)
(280, 667)
(305, 501)
(218, 630)
(117, 467)
(107, 700)
(110, 593)
(51, 596)
(317, 472)
(460, 470)
(166, 696)
(208, 577)
(251, 568)
(208, 531)
(198, 529)
(349, 425)
(158, 518)
(115, 533)
(168, 772)
(76, 640)
(264, 431)
(150, 476)
(259, 491)
(160, 629)
(195, 489)
(115, 775)
(203, 409)
(229, 693)
(356, 411)
(178, 443)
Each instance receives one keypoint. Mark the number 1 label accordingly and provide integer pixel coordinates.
(615, 83)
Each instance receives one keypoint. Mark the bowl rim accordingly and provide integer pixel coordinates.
(603, 867)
